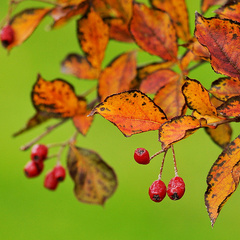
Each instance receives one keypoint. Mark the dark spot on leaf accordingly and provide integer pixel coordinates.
(102, 109)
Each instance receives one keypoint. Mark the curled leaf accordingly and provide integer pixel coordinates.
(132, 112)
(55, 98)
(95, 181)
(146, 30)
(176, 129)
(79, 66)
(24, 23)
(118, 75)
(222, 179)
(220, 36)
(225, 88)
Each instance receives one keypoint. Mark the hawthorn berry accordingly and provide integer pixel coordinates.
(39, 152)
(50, 181)
(33, 169)
(157, 191)
(7, 35)
(176, 188)
(141, 156)
(59, 172)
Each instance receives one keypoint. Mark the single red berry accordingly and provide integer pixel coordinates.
(39, 152)
(141, 156)
(157, 191)
(50, 181)
(7, 35)
(59, 172)
(33, 169)
(176, 188)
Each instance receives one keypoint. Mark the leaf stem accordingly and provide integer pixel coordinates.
(49, 129)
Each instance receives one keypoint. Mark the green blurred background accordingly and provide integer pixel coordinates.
(28, 211)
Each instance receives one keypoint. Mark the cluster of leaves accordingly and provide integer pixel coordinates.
(123, 87)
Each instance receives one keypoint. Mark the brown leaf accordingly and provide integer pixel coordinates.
(206, 4)
(197, 97)
(55, 98)
(156, 80)
(225, 88)
(61, 15)
(118, 75)
(170, 98)
(221, 135)
(222, 179)
(178, 13)
(153, 32)
(93, 35)
(221, 38)
(24, 23)
(230, 11)
(231, 108)
(95, 181)
(79, 66)
(34, 121)
(176, 129)
(132, 112)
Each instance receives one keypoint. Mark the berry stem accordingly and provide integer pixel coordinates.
(161, 169)
(157, 153)
(49, 129)
(175, 163)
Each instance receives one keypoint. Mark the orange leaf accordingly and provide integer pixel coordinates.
(82, 122)
(144, 71)
(24, 23)
(177, 129)
(93, 35)
(206, 4)
(69, 2)
(119, 74)
(55, 98)
(170, 98)
(197, 98)
(221, 179)
(61, 15)
(225, 88)
(230, 11)
(34, 121)
(153, 31)
(79, 66)
(221, 135)
(178, 13)
(119, 30)
(132, 112)
(95, 181)
(154, 81)
(211, 120)
(221, 38)
(186, 59)
(231, 108)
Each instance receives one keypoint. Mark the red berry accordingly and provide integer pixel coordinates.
(60, 173)
(50, 181)
(157, 191)
(176, 188)
(141, 156)
(33, 169)
(39, 152)
(7, 35)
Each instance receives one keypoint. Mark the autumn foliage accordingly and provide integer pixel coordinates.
(150, 97)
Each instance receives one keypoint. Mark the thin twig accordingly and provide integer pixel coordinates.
(175, 163)
(157, 153)
(195, 66)
(49, 129)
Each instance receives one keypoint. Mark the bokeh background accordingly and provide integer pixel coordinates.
(28, 211)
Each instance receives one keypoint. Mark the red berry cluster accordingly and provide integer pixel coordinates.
(34, 167)
(7, 35)
(158, 190)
